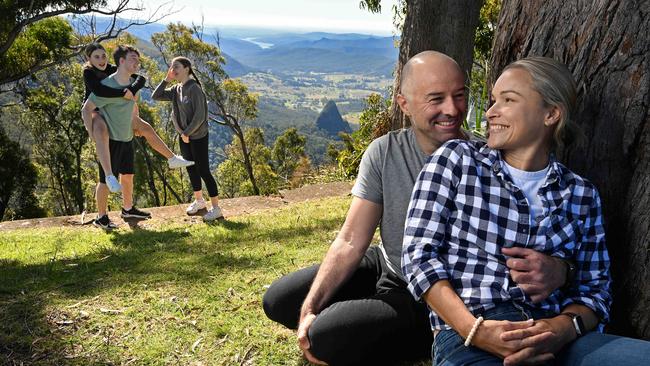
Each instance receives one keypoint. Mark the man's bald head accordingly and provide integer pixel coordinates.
(426, 61)
(433, 96)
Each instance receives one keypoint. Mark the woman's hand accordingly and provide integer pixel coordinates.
(540, 342)
(170, 75)
(489, 337)
(185, 138)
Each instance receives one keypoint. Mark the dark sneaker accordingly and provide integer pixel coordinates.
(104, 222)
(135, 213)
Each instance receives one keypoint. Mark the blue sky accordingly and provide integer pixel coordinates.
(306, 15)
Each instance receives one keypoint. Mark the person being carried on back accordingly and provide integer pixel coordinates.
(118, 114)
(97, 69)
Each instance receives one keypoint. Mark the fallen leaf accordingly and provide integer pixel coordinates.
(110, 311)
(222, 341)
(196, 344)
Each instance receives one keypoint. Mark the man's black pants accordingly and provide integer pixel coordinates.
(373, 319)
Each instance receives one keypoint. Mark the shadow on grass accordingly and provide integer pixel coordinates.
(31, 333)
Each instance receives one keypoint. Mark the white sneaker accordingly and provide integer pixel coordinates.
(195, 206)
(113, 184)
(213, 214)
(178, 161)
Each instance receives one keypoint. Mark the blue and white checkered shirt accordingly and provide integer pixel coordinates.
(465, 208)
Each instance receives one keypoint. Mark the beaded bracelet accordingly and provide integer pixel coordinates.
(477, 323)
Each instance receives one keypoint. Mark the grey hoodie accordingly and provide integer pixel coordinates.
(189, 107)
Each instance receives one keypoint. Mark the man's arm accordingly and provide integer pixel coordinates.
(339, 263)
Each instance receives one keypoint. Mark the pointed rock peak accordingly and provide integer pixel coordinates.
(331, 121)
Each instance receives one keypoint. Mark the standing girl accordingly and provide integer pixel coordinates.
(96, 69)
(190, 117)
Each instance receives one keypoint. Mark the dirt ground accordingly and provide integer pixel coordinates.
(169, 214)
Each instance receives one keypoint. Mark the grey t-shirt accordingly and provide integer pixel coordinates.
(387, 174)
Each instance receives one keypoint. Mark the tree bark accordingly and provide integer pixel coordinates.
(446, 26)
(247, 160)
(606, 44)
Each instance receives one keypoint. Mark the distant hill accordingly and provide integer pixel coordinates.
(287, 59)
(331, 121)
(360, 54)
(291, 52)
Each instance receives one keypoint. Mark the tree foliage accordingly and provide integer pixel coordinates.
(478, 85)
(289, 154)
(52, 115)
(33, 36)
(17, 182)
(232, 174)
(373, 122)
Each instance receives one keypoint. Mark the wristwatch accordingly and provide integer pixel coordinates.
(570, 273)
(577, 323)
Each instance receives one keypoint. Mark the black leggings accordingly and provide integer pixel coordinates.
(197, 151)
(372, 320)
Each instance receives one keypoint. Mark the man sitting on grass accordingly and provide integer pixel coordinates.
(118, 114)
(354, 309)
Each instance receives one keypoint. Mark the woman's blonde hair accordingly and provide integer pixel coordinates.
(554, 82)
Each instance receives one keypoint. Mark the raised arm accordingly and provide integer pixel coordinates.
(163, 94)
(341, 260)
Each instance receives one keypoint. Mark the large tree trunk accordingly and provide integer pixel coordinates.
(606, 45)
(447, 26)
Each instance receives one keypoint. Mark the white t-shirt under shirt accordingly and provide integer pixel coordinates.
(529, 183)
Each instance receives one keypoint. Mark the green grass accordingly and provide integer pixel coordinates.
(178, 295)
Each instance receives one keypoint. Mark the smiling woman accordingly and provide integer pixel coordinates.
(475, 204)
(532, 113)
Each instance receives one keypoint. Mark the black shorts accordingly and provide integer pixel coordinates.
(122, 156)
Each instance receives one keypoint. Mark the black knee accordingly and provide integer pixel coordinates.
(284, 298)
(279, 308)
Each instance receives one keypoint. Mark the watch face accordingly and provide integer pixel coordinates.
(579, 325)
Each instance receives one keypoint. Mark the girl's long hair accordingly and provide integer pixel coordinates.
(187, 63)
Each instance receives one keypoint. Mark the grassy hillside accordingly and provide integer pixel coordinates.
(168, 295)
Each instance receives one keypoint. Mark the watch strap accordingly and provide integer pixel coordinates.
(576, 320)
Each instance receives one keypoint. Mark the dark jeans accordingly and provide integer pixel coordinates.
(373, 319)
(592, 349)
(197, 151)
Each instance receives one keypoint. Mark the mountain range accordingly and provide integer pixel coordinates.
(286, 52)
